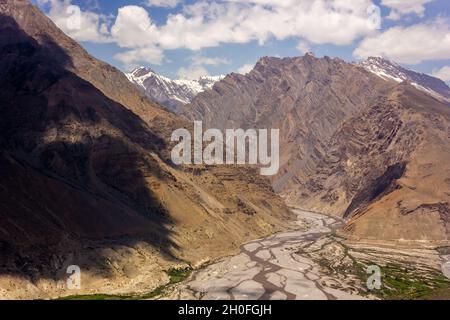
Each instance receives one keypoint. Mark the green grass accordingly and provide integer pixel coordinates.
(97, 297)
(398, 282)
(401, 283)
(178, 275)
(409, 284)
(175, 276)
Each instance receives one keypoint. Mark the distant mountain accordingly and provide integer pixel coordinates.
(352, 143)
(391, 71)
(172, 94)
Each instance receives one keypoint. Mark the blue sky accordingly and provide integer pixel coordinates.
(187, 38)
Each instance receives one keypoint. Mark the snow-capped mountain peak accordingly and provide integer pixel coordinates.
(392, 71)
(384, 69)
(172, 94)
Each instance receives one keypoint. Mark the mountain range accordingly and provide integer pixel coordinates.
(172, 94)
(367, 148)
(86, 176)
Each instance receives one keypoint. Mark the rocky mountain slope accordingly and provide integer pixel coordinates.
(391, 177)
(173, 94)
(352, 143)
(391, 71)
(85, 177)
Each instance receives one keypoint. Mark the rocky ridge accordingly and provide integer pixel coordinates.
(353, 144)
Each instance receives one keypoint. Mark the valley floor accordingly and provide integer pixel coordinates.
(270, 268)
(312, 262)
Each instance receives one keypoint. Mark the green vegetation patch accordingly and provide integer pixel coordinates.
(176, 275)
(399, 282)
(402, 283)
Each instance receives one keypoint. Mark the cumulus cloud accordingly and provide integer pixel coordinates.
(400, 8)
(212, 23)
(198, 65)
(211, 61)
(443, 73)
(192, 72)
(148, 54)
(303, 47)
(163, 3)
(134, 28)
(410, 45)
(78, 24)
(246, 68)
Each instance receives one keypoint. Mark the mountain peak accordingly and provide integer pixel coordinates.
(172, 94)
(383, 62)
(392, 71)
(141, 71)
(380, 59)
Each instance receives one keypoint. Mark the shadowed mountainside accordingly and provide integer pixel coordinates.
(85, 177)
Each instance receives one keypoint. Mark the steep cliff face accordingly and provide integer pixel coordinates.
(390, 177)
(85, 177)
(307, 98)
(352, 144)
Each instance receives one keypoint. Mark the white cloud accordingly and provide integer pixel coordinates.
(198, 66)
(410, 45)
(148, 54)
(163, 3)
(401, 8)
(303, 47)
(246, 68)
(211, 61)
(192, 72)
(211, 23)
(443, 73)
(78, 24)
(133, 28)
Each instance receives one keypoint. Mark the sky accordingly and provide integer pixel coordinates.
(189, 38)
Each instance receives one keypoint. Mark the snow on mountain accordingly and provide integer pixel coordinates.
(172, 94)
(391, 71)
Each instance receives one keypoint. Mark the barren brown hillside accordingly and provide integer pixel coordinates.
(85, 179)
(372, 151)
